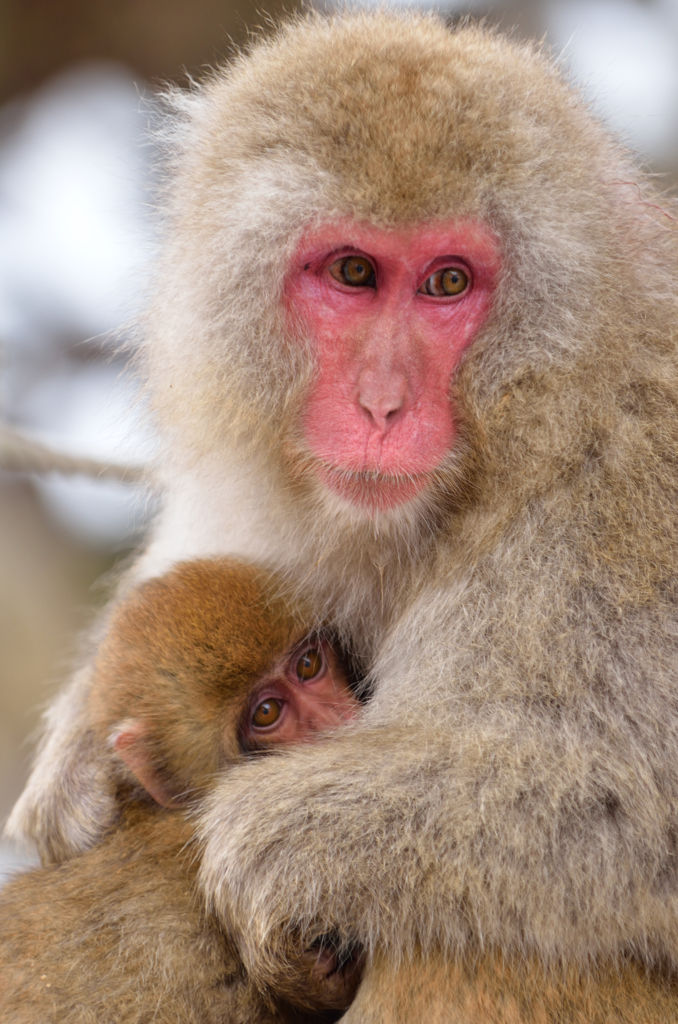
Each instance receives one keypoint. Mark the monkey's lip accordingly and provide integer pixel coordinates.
(372, 489)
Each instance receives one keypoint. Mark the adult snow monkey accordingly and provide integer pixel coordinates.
(413, 346)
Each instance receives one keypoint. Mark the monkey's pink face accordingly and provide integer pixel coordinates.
(303, 697)
(390, 314)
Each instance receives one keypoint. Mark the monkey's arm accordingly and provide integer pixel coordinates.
(512, 834)
(69, 801)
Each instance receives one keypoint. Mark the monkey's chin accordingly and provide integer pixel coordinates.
(373, 492)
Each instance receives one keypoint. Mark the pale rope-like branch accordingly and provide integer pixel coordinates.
(23, 455)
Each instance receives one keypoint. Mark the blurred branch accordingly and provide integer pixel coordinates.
(23, 455)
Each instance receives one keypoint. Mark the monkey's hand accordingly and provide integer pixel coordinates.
(396, 839)
(69, 800)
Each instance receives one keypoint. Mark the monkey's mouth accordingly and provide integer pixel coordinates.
(371, 489)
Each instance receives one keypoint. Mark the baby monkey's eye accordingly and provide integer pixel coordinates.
(447, 281)
(310, 664)
(267, 713)
(355, 271)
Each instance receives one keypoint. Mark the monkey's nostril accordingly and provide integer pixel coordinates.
(382, 414)
(382, 396)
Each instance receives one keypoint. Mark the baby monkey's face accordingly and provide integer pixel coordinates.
(203, 665)
(305, 694)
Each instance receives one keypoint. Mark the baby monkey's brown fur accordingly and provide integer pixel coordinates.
(120, 932)
(494, 991)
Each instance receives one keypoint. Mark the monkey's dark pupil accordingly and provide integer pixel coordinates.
(453, 281)
(449, 281)
(267, 712)
(356, 272)
(309, 665)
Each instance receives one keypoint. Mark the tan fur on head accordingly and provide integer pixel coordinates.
(425, 123)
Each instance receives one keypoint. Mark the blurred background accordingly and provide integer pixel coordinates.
(77, 236)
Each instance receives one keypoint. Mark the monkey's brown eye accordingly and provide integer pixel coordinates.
(448, 281)
(267, 713)
(355, 271)
(309, 664)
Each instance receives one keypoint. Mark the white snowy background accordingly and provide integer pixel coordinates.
(76, 239)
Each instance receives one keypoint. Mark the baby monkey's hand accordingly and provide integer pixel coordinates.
(323, 977)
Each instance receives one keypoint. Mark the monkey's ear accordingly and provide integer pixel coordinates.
(131, 743)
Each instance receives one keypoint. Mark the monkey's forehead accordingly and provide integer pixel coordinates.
(407, 118)
(220, 608)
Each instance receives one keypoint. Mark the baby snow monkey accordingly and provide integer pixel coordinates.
(203, 665)
(198, 668)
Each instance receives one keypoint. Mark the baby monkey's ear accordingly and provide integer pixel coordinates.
(131, 741)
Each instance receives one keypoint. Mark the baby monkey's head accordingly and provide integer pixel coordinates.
(205, 664)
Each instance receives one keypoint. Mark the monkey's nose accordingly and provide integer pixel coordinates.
(381, 401)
